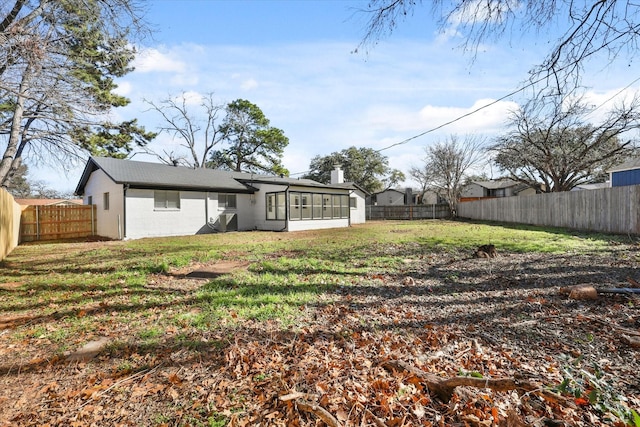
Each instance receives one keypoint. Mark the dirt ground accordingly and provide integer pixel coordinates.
(370, 353)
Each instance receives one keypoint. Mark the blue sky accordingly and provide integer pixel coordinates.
(295, 59)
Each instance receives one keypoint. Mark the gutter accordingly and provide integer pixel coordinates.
(286, 208)
(125, 187)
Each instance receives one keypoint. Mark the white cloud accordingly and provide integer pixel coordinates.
(153, 60)
(249, 84)
(124, 88)
(190, 97)
(484, 115)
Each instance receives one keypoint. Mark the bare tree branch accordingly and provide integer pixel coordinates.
(198, 133)
(551, 142)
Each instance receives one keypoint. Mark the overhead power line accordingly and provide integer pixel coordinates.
(549, 74)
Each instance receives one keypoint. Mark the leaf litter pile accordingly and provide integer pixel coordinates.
(444, 339)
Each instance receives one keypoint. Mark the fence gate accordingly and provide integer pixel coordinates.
(57, 222)
(408, 212)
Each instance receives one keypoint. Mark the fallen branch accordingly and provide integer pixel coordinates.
(318, 411)
(377, 421)
(620, 329)
(630, 341)
(297, 395)
(443, 388)
(634, 283)
(625, 291)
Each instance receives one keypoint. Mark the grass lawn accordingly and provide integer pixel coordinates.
(164, 324)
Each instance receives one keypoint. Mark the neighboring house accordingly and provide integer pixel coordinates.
(476, 190)
(429, 197)
(627, 173)
(140, 199)
(393, 197)
(48, 202)
(595, 186)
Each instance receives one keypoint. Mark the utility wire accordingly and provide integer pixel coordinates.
(615, 95)
(530, 84)
(502, 98)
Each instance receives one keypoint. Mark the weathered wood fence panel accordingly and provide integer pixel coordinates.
(408, 212)
(57, 222)
(9, 223)
(606, 210)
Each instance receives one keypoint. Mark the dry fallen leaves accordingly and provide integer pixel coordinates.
(500, 335)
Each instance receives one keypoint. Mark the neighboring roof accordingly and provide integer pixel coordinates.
(138, 174)
(595, 186)
(351, 186)
(389, 189)
(46, 202)
(496, 184)
(627, 165)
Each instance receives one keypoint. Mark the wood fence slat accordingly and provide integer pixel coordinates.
(57, 222)
(605, 210)
(408, 212)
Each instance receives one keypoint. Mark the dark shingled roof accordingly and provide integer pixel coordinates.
(633, 163)
(156, 175)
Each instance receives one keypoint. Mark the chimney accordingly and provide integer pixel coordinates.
(408, 196)
(337, 175)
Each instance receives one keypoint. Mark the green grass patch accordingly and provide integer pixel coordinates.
(84, 289)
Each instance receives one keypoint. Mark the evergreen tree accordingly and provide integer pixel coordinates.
(58, 65)
(253, 144)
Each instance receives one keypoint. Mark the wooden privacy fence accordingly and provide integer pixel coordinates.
(9, 223)
(606, 210)
(57, 222)
(408, 212)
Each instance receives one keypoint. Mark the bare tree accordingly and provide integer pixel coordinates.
(594, 27)
(420, 174)
(58, 62)
(448, 163)
(198, 133)
(553, 147)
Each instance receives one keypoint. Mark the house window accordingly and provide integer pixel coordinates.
(497, 192)
(227, 201)
(336, 206)
(166, 199)
(281, 205)
(295, 206)
(353, 203)
(90, 200)
(105, 201)
(344, 206)
(276, 204)
(306, 205)
(326, 206)
(317, 206)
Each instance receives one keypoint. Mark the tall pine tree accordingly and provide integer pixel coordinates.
(58, 63)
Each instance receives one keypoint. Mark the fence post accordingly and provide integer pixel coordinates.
(37, 223)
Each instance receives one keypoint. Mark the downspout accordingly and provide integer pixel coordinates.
(350, 193)
(124, 211)
(206, 208)
(286, 208)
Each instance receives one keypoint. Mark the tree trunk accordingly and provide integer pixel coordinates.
(14, 135)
